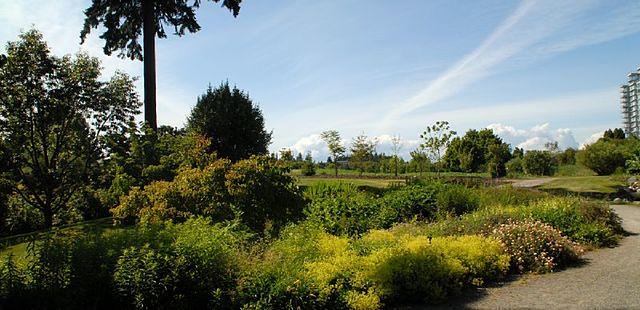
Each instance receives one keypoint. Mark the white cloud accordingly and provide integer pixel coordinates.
(319, 151)
(591, 139)
(536, 29)
(536, 137)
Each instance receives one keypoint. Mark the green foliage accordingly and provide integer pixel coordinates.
(615, 134)
(342, 210)
(231, 121)
(193, 264)
(123, 25)
(308, 268)
(346, 210)
(456, 200)
(478, 151)
(515, 166)
(257, 190)
(536, 247)
(539, 163)
(567, 157)
(603, 157)
(265, 194)
(436, 140)
(414, 202)
(197, 270)
(72, 110)
(334, 143)
(362, 150)
(582, 221)
(308, 167)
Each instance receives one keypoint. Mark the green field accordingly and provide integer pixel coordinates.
(586, 184)
(355, 173)
(379, 183)
(18, 245)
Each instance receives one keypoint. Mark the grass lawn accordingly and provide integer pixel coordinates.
(355, 173)
(586, 184)
(379, 183)
(18, 244)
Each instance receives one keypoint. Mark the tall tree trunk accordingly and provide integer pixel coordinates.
(47, 213)
(149, 49)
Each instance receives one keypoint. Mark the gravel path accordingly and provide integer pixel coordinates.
(609, 279)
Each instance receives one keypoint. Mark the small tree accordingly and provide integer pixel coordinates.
(286, 155)
(362, 149)
(308, 167)
(615, 134)
(396, 146)
(420, 157)
(334, 143)
(603, 157)
(552, 147)
(233, 123)
(436, 138)
(539, 163)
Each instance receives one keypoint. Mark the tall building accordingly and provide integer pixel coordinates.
(629, 102)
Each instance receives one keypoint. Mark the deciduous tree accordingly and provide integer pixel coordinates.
(362, 149)
(334, 143)
(54, 113)
(435, 141)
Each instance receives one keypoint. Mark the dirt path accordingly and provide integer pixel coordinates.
(609, 279)
(531, 183)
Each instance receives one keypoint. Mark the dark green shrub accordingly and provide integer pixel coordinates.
(508, 196)
(412, 202)
(582, 221)
(197, 270)
(189, 265)
(603, 157)
(515, 167)
(539, 163)
(456, 199)
(567, 157)
(343, 211)
(308, 168)
(267, 197)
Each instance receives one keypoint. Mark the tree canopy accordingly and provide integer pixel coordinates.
(334, 143)
(475, 150)
(233, 123)
(54, 114)
(125, 21)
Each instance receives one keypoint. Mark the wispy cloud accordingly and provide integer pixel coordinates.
(536, 29)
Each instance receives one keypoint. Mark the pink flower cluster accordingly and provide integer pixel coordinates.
(536, 247)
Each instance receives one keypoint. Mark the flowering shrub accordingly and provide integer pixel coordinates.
(256, 190)
(536, 247)
(309, 268)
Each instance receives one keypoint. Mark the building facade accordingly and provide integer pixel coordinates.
(629, 101)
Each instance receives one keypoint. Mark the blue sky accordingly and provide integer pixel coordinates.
(533, 71)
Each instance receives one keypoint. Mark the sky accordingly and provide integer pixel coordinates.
(532, 71)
